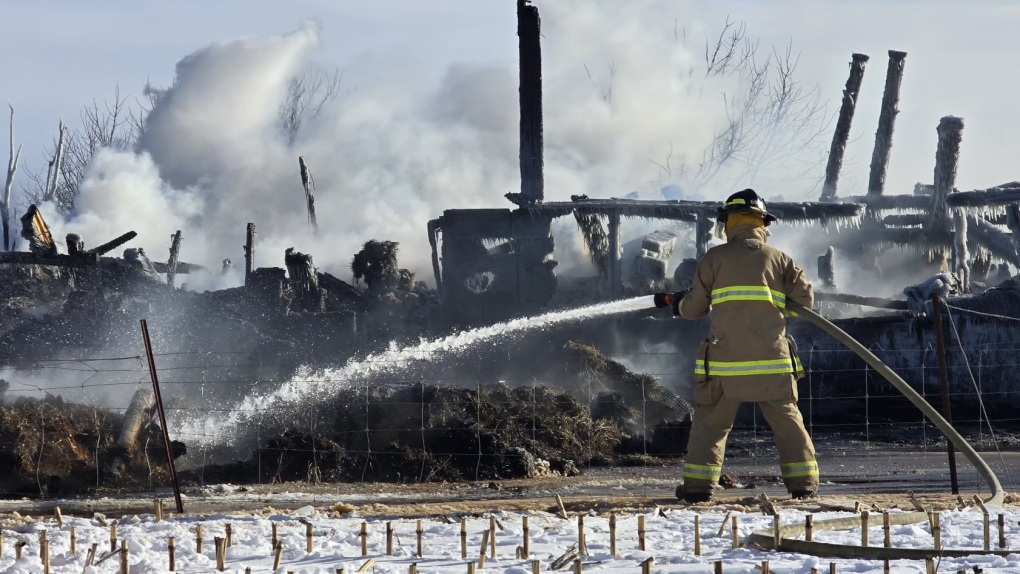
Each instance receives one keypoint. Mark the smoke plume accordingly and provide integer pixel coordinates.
(622, 114)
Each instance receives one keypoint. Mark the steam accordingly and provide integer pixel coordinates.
(394, 153)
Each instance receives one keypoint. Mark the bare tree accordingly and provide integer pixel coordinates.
(56, 164)
(773, 122)
(140, 114)
(306, 96)
(111, 125)
(12, 167)
(606, 91)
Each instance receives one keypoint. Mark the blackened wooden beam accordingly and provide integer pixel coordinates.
(842, 134)
(886, 123)
(947, 156)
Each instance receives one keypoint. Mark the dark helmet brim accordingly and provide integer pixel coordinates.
(724, 211)
(746, 201)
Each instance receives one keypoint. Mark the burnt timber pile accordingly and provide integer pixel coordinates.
(429, 432)
(90, 450)
(85, 304)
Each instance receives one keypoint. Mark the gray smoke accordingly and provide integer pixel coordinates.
(395, 152)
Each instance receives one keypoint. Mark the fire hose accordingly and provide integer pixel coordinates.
(783, 539)
(895, 380)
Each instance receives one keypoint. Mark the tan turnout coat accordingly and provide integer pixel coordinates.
(747, 356)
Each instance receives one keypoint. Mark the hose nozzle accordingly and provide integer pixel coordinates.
(669, 300)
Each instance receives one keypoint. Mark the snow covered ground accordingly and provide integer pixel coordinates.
(336, 543)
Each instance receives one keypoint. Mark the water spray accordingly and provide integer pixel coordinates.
(321, 385)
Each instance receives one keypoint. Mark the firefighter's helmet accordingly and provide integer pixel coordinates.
(745, 201)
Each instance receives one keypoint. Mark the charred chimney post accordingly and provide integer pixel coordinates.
(171, 263)
(434, 227)
(842, 133)
(947, 155)
(75, 248)
(249, 253)
(886, 123)
(531, 155)
(950, 132)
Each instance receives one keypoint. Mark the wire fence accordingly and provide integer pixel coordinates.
(323, 431)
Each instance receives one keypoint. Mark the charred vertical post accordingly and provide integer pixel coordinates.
(940, 348)
(702, 234)
(434, 227)
(309, 184)
(827, 268)
(531, 156)
(171, 264)
(950, 132)
(249, 253)
(886, 123)
(842, 133)
(615, 271)
(75, 246)
(1013, 223)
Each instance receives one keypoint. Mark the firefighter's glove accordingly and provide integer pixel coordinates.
(678, 297)
(671, 300)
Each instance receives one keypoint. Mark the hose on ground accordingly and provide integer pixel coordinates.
(929, 411)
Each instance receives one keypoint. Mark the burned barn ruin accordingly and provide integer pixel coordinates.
(498, 264)
(554, 401)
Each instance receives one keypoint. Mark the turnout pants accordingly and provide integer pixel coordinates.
(707, 446)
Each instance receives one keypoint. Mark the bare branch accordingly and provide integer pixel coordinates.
(12, 168)
(56, 162)
(306, 97)
(773, 125)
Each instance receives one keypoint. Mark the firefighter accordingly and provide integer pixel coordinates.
(748, 356)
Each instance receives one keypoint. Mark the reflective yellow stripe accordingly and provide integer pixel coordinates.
(749, 293)
(744, 368)
(795, 469)
(702, 472)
